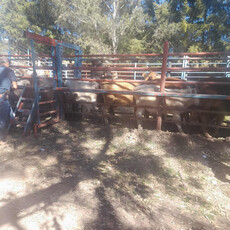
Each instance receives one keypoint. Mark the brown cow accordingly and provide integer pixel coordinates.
(156, 79)
(213, 105)
(116, 100)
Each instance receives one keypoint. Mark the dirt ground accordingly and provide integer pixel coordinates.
(81, 175)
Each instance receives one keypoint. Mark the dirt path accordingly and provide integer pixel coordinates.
(84, 176)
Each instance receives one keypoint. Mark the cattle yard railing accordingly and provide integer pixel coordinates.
(31, 66)
(210, 68)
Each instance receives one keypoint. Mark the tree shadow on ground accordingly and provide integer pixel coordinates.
(199, 149)
(129, 169)
(107, 217)
(10, 212)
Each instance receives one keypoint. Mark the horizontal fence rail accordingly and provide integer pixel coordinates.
(155, 94)
(191, 69)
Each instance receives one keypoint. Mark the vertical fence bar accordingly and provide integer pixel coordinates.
(35, 84)
(59, 64)
(169, 62)
(184, 65)
(54, 65)
(28, 53)
(75, 75)
(164, 66)
(227, 74)
(135, 72)
(78, 63)
(59, 51)
(162, 85)
(53, 54)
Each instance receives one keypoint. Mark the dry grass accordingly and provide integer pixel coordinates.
(84, 176)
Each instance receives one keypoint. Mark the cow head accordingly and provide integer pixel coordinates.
(151, 76)
(97, 63)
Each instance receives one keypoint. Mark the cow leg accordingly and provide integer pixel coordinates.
(205, 131)
(139, 114)
(177, 119)
(146, 114)
(219, 120)
(105, 111)
(204, 121)
(111, 110)
(84, 109)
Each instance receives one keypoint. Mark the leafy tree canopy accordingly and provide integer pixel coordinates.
(121, 26)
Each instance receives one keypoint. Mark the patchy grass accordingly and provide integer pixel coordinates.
(82, 175)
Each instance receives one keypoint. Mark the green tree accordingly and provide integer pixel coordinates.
(101, 26)
(160, 27)
(204, 24)
(17, 16)
(121, 26)
(41, 16)
(13, 20)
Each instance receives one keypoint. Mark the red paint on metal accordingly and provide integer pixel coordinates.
(41, 39)
(162, 83)
(164, 66)
(117, 55)
(35, 130)
(151, 55)
(114, 68)
(55, 68)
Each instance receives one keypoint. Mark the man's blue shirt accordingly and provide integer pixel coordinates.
(7, 76)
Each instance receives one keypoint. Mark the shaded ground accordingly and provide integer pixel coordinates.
(81, 175)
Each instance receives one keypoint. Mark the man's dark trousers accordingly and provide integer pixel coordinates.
(4, 116)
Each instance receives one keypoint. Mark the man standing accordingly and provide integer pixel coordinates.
(7, 81)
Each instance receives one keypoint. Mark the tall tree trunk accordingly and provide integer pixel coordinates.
(115, 17)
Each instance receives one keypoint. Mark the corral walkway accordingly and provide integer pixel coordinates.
(84, 176)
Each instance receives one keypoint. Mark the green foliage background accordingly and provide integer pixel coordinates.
(121, 26)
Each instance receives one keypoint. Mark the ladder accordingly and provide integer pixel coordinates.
(48, 109)
(24, 111)
(35, 112)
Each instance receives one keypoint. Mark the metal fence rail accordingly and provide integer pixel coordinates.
(193, 68)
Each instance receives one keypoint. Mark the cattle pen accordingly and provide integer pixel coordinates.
(189, 70)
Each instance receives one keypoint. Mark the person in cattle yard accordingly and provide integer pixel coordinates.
(7, 82)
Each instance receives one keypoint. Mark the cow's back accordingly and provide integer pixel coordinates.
(172, 103)
(118, 99)
(82, 96)
(183, 102)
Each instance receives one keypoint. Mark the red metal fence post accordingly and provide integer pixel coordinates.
(162, 85)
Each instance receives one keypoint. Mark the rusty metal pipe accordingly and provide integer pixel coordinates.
(162, 84)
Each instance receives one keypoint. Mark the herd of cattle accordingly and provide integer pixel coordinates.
(177, 109)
